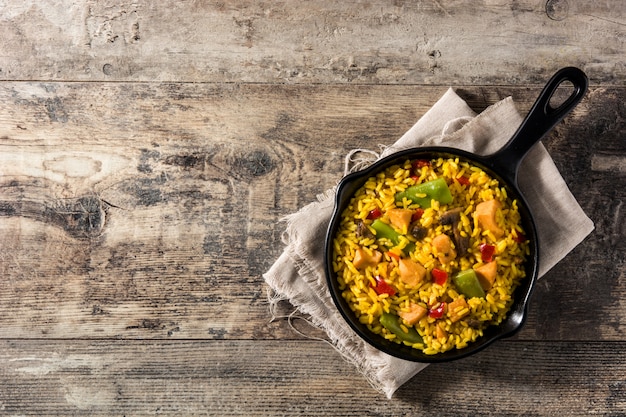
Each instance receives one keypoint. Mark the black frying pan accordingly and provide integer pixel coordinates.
(502, 165)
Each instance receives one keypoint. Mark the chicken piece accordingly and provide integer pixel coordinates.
(458, 309)
(442, 335)
(415, 313)
(443, 248)
(487, 274)
(363, 259)
(411, 272)
(400, 218)
(486, 217)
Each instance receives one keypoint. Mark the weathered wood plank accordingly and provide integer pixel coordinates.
(440, 42)
(168, 199)
(158, 222)
(279, 378)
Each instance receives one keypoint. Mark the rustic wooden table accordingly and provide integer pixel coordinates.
(148, 150)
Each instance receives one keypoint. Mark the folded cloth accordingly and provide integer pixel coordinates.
(298, 274)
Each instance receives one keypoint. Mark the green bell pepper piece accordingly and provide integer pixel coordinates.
(467, 283)
(434, 190)
(383, 230)
(391, 322)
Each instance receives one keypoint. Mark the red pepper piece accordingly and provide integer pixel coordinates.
(437, 312)
(521, 238)
(439, 276)
(418, 164)
(486, 252)
(394, 255)
(374, 214)
(463, 181)
(382, 287)
(417, 215)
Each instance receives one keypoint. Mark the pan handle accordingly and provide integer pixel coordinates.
(540, 120)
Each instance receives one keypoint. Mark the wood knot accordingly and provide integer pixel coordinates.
(254, 164)
(82, 217)
(557, 9)
(7, 209)
(187, 161)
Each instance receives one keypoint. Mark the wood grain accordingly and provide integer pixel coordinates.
(285, 378)
(402, 42)
(148, 151)
(159, 224)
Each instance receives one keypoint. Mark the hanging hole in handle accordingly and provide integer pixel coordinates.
(562, 95)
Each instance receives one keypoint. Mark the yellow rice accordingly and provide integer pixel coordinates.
(357, 285)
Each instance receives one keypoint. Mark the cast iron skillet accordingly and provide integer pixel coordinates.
(502, 165)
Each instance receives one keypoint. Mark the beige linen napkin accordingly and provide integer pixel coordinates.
(298, 274)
